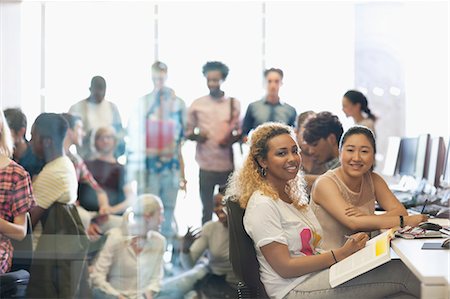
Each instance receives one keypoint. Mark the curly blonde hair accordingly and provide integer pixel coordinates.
(245, 181)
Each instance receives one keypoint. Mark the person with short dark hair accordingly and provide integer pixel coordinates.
(322, 134)
(61, 240)
(356, 106)
(270, 107)
(310, 166)
(213, 239)
(57, 182)
(213, 122)
(97, 112)
(23, 154)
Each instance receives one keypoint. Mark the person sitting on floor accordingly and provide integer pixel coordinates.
(110, 176)
(213, 240)
(130, 265)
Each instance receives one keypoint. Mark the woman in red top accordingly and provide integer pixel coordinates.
(16, 198)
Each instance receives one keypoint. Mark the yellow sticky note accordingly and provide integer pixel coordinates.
(381, 246)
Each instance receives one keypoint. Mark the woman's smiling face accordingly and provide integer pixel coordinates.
(283, 159)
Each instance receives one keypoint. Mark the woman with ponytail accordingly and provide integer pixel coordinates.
(355, 105)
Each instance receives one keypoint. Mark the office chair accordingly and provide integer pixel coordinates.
(14, 283)
(242, 255)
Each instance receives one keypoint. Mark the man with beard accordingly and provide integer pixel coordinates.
(213, 122)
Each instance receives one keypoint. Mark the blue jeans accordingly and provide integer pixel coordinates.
(165, 185)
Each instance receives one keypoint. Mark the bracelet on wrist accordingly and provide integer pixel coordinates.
(334, 257)
(402, 221)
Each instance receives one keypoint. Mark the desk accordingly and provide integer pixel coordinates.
(431, 267)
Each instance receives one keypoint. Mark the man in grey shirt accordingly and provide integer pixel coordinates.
(269, 108)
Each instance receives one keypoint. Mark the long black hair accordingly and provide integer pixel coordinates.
(357, 97)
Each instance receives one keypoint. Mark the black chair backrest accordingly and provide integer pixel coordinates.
(23, 250)
(242, 251)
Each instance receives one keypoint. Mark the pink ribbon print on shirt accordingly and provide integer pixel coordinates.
(305, 238)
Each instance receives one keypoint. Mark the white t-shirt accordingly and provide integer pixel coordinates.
(267, 220)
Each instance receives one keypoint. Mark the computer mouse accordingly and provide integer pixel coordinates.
(430, 226)
(446, 243)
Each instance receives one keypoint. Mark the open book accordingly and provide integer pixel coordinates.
(376, 253)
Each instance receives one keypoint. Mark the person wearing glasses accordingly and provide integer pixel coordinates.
(343, 199)
(286, 234)
(213, 122)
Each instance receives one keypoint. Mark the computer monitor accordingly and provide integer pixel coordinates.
(390, 163)
(407, 156)
(436, 161)
(445, 180)
(422, 156)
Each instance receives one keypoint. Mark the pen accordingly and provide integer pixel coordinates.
(424, 205)
(349, 237)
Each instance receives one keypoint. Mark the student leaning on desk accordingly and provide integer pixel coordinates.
(343, 199)
(286, 234)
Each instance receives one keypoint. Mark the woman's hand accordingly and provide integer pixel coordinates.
(354, 243)
(354, 211)
(414, 220)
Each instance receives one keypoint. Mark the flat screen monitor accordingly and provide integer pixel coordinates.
(445, 182)
(407, 156)
(436, 161)
(423, 153)
(390, 163)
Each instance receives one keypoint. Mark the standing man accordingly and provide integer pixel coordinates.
(96, 112)
(269, 108)
(213, 122)
(156, 133)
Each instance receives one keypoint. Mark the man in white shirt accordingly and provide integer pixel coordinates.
(96, 112)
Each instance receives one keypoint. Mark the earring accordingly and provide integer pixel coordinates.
(263, 171)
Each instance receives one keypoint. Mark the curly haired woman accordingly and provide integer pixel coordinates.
(287, 235)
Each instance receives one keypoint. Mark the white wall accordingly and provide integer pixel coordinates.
(10, 49)
(427, 68)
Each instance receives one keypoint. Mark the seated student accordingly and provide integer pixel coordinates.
(110, 175)
(214, 240)
(287, 235)
(16, 198)
(309, 165)
(343, 199)
(322, 134)
(75, 135)
(130, 263)
(23, 154)
(61, 242)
